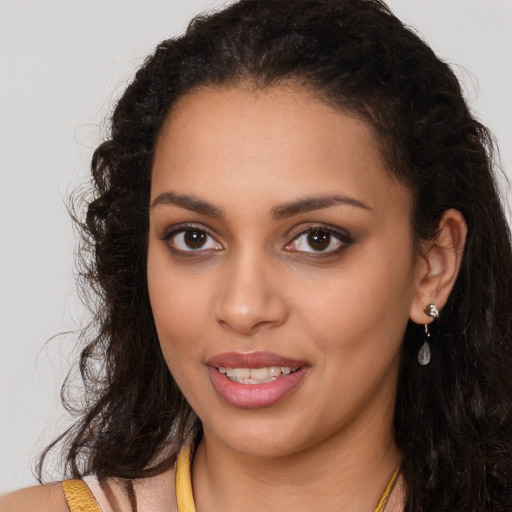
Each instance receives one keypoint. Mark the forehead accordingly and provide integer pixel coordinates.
(278, 141)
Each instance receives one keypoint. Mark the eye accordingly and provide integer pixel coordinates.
(319, 240)
(192, 239)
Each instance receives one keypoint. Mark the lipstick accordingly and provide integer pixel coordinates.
(255, 379)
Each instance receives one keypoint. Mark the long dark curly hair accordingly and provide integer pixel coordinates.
(453, 418)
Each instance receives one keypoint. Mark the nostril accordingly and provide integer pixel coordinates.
(250, 298)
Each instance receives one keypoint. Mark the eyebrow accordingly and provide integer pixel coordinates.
(309, 204)
(304, 205)
(188, 202)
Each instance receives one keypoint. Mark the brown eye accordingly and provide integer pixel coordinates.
(319, 240)
(190, 240)
(194, 239)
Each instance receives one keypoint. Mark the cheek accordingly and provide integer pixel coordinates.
(174, 302)
(177, 320)
(362, 302)
(178, 332)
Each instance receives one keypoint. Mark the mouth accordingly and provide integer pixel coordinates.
(255, 380)
(256, 375)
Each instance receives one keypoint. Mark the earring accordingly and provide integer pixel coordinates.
(424, 353)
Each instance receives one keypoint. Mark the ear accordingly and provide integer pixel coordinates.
(438, 265)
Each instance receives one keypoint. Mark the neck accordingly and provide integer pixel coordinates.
(347, 471)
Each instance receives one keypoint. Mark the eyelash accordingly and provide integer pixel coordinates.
(183, 229)
(342, 237)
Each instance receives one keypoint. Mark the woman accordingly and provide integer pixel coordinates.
(304, 274)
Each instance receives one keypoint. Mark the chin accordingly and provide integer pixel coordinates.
(264, 437)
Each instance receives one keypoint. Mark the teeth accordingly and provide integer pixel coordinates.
(274, 371)
(260, 373)
(256, 375)
(242, 373)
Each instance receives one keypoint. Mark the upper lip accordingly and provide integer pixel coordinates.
(252, 360)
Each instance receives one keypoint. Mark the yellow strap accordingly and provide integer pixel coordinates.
(79, 496)
(185, 497)
(381, 505)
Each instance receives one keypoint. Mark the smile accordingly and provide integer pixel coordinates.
(256, 379)
(256, 375)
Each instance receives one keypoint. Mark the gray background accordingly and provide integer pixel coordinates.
(62, 65)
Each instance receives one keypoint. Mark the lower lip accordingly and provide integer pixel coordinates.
(253, 396)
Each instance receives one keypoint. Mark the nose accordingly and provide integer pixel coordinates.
(251, 296)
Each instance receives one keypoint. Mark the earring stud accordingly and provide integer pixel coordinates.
(431, 310)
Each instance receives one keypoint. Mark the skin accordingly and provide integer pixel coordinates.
(260, 284)
(153, 495)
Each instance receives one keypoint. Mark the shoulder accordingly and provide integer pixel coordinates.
(43, 498)
(156, 493)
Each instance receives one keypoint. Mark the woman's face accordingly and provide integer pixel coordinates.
(281, 268)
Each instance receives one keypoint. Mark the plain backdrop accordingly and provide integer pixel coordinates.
(62, 65)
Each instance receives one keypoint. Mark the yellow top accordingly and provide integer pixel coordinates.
(79, 496)
(184, 495)
(381, 505)
(185, 498)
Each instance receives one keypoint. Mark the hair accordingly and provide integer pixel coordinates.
(453, 418)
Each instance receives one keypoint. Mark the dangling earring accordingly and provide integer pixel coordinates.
(424, 353)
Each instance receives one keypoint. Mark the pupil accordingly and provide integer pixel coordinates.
(319, 240)
(195, 239)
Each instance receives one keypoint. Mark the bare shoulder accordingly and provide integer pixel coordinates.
(155, 494)
(43, 498)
